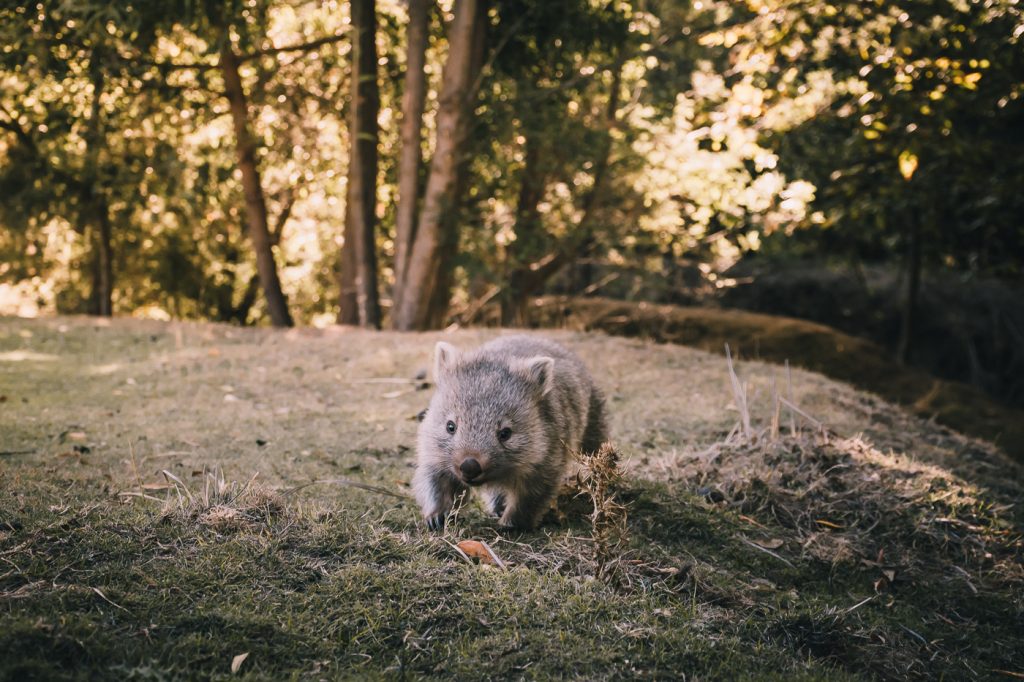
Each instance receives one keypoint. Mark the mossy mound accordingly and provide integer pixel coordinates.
(804, 344)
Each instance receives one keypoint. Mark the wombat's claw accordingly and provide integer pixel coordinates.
(435, 522)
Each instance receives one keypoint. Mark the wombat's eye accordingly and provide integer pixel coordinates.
(450, 426)
(504, 434)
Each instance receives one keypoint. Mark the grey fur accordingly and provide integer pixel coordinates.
(536, 388)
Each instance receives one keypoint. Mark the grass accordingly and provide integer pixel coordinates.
(879, 546)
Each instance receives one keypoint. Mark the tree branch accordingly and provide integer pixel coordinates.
(249, 56)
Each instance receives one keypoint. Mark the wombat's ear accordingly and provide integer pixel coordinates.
(445, 356)
(540, 370)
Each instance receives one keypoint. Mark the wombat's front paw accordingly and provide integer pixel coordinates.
(498, 505)
(435, 522)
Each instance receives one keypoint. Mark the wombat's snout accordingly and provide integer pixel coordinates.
(470, 469)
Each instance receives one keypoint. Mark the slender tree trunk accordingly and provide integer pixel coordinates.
(437, 309)
(908, 322)
(240, 313)
(411, 156)
(348, 301)
(437, 226)
(94, 202)
(105, 260)
(361, 198)
(255, 202)
(527, 230)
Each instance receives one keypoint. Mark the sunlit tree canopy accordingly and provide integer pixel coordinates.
(622, 132)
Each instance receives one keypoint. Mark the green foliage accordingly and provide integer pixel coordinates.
(718, 129)
(925, 125)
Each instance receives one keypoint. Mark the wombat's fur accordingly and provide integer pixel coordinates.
(504, 418)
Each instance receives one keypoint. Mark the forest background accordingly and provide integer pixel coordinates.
(415, 165)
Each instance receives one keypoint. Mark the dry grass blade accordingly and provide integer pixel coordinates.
(739, 394)
(767, 551)
(109, 600)
(776, 408)
(789, 393)
(459, 551)
(132, 493)
(135, 466)
(494, 557)
(179, 485)
(351, 484)
(814, 422)
(224, 505)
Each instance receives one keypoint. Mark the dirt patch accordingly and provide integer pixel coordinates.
(803, 344)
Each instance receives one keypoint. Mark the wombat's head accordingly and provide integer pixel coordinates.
(484, 422)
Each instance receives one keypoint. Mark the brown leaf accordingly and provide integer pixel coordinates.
(770, 543)
(156, 486)
(482, 551)
(475, 550)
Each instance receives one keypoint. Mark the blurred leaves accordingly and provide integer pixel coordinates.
(765, 125)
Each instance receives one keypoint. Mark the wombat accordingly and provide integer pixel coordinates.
(504, 419)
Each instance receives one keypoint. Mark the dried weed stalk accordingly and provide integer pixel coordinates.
(599, 478)
(223, 505)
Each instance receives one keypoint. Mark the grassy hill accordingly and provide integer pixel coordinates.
(175, 496)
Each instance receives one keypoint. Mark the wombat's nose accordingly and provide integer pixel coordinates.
(470, 468)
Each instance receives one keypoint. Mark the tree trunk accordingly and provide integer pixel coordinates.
(524, 248)
(908, 321)
(437, 309)
(255, 203)
(436, 230)
(104, 292)
(412, 135)
(95, 204)
(361, 197)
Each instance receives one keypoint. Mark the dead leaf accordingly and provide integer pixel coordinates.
(237, 661)
(156, 486)
(475, 549)
(890, 575)
(828, 524)
(770, 543)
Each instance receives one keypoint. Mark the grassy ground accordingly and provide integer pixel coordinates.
(880, 546)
